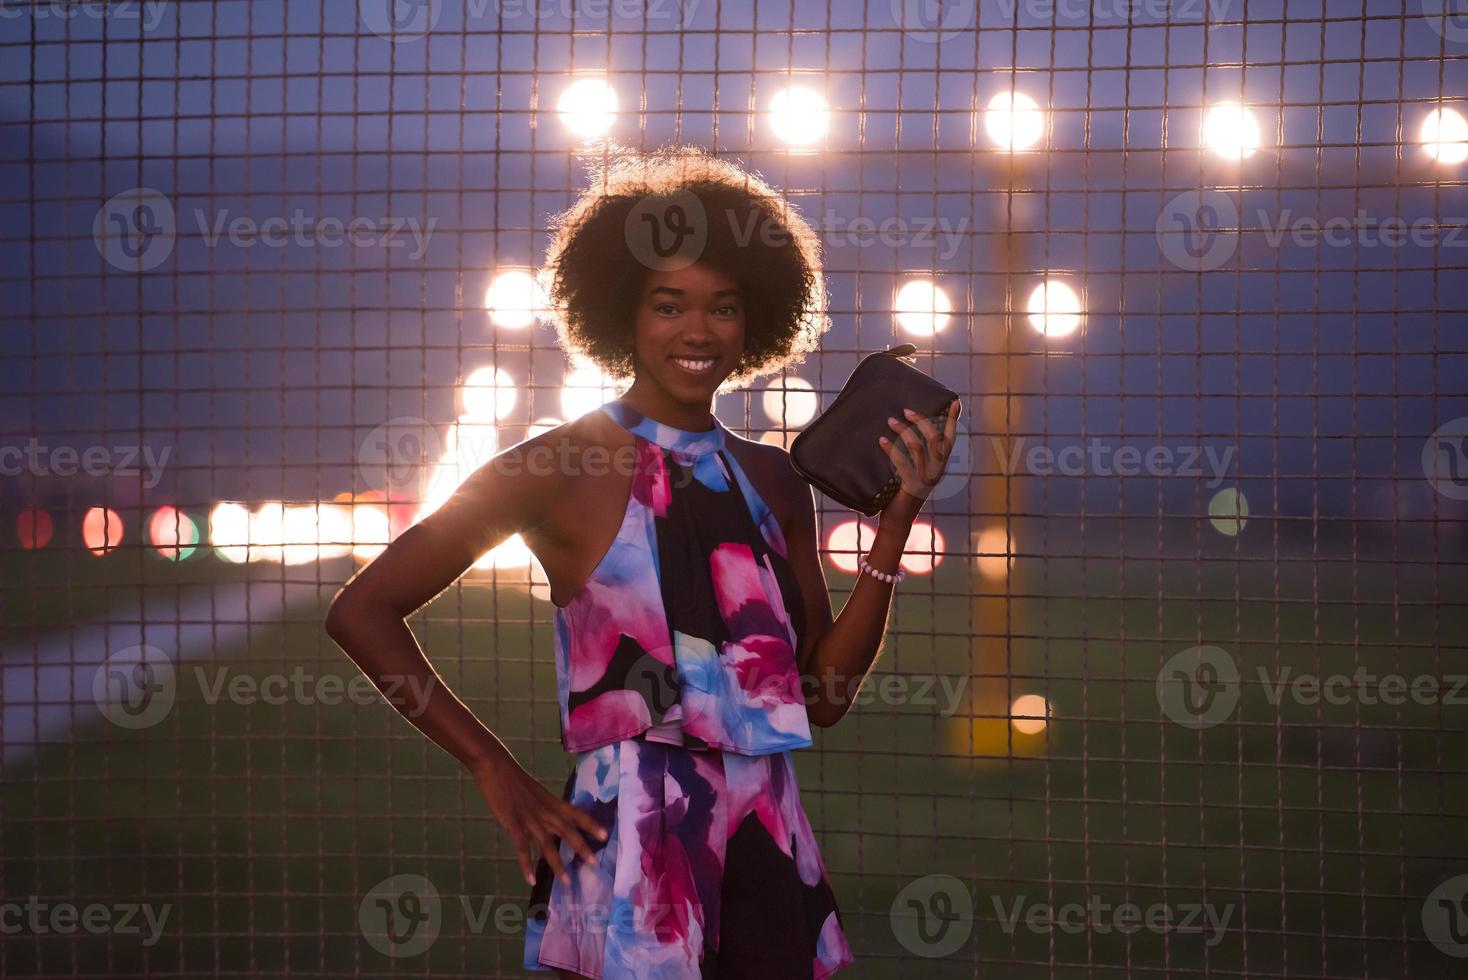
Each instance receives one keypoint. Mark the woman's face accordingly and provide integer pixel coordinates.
(689, 331)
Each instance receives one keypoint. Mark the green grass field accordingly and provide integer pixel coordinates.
(1317, 829)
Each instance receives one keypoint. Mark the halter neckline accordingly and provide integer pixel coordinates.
(685, 441)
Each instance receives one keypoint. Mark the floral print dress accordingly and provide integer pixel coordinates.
(679, 695)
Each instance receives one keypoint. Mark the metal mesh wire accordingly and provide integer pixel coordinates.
(1175, 685)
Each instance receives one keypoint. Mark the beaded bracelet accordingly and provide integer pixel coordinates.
(891, 578)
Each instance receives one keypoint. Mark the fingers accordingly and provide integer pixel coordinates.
(901, 462)
(950, 427)
(572, 830)
(592, 825)
(522, 853)
(551, 851)
(914, 445)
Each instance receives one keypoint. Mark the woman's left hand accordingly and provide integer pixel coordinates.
(920, 453)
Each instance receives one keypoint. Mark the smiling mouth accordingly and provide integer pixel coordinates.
(697, 366)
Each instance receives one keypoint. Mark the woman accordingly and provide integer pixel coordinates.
(695, 643)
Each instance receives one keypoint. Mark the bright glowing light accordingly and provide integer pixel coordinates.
(1055, 309)
(584, 389)
(540, 426)
(1014, 121)
(922, 553)
(922, 307)
(799, 115)
(994, 551)
(294, 534)
(1231, 131)
(173, 533)
(509, 553)
(588, 107)
(1228, 511)
(1445, 135)
(101, 530)
(468, 445)
(514, 298)
(488, 394)
(229, 532)
(1029, 714)
(34, 528)
(847, 543)
(791, 403)
(370, 531)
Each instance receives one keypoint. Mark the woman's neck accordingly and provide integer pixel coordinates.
(659, 406)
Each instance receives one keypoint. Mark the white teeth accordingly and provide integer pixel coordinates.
(696, 367)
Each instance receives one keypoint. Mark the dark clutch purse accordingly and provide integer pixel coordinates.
(838, 453)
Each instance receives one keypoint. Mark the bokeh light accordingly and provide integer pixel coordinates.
(1014, 121)
(922, 307)
(101, 530)
(514, 298)
(1228, 512)
(799, 115)
(847, 543)
(791, 402)
(994, 552)
(1029, 714)
(172, 533)
(588, 107)
(923, 551)
(488, 394)
(34, 527)
(1231, 131)
(1054, 308)
(584, 389)
(1445, 135)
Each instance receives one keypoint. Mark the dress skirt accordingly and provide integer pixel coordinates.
(710, 869)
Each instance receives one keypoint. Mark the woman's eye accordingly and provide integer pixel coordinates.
(729, 310)
(666, 308)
